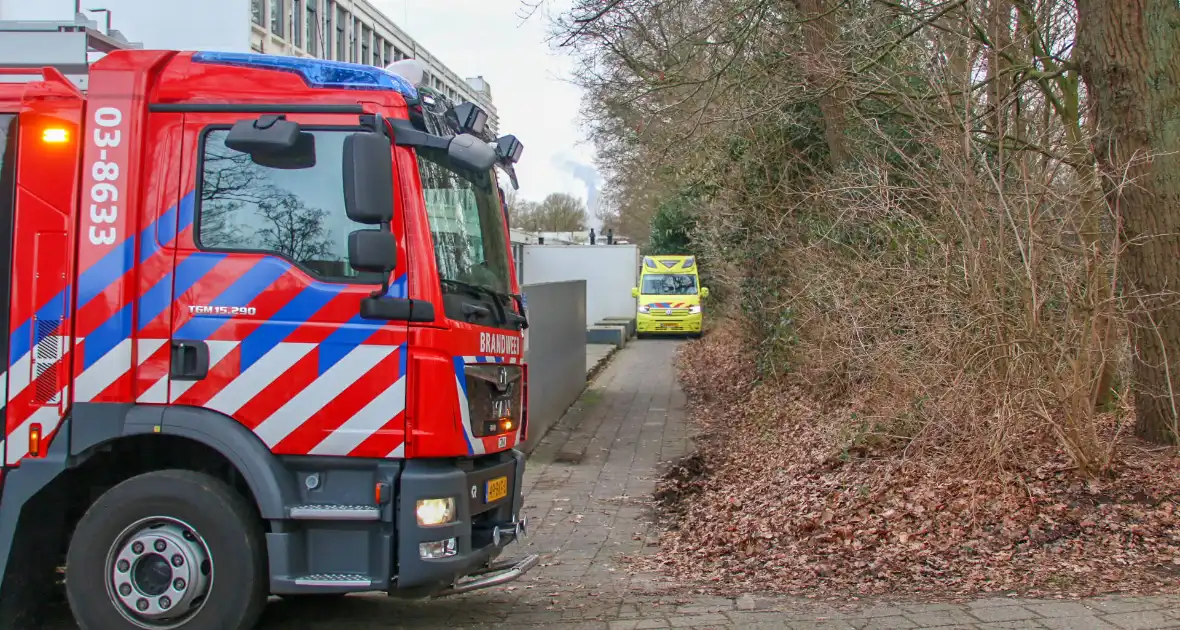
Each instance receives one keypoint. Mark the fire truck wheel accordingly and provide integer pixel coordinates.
(172, 550)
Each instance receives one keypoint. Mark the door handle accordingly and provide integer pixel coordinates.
(190, 360)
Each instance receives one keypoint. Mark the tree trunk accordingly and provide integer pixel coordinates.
(1130, 58)
(825, 73)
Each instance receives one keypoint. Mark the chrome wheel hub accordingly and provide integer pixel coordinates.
(159, 572)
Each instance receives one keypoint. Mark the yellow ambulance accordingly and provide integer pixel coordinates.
(669, 294)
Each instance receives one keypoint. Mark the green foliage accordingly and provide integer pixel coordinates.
(671, 228)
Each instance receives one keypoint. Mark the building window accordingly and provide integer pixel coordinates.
(256, 12)
(353, 36)
(313, 28)
(326, 29)
(295, 23)
(377, 50)
(340, 42)
(397, 54)
(388, 53)
(365, 33)
(276, 17)
(293, 213)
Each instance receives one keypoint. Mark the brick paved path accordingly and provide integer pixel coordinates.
(586, 488)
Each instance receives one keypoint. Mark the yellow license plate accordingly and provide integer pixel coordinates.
(496, 489)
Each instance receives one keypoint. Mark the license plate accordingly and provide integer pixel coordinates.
(496, 489)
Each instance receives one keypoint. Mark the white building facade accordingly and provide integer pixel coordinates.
(357, 32)
(340, 30)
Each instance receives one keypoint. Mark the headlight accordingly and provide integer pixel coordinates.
(694, 309)
(434, 512)
(644, 309)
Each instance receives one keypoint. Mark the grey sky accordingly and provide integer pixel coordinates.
(473, 37)
(528, 79)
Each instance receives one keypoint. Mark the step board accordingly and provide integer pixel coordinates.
(315, 512)
(349, 580)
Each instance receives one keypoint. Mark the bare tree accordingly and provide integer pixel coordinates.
(855, 170)
(1130, 58)
(558, 212)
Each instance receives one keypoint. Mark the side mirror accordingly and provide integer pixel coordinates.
(372, 251)
(267, 134)
(471, 153)
(368, 178)
(634, 291)
(704, 292)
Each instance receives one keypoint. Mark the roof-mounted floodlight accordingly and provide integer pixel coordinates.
(509, 148)
(468, 118)
(411, 70)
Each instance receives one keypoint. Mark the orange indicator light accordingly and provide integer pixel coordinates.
(55, 135)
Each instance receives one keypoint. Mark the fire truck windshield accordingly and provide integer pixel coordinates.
(466, 223)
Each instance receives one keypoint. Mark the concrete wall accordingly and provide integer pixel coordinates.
(555, 348)
(610, 271)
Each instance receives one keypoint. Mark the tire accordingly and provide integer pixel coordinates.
(173, 504)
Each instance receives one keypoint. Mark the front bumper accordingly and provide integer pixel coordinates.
(494, 574)
(648, 323)
(481, 529)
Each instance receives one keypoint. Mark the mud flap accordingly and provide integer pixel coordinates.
(32, 523)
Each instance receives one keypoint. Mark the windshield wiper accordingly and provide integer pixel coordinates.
(503, 314)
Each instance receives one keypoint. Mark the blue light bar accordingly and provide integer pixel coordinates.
(318, 73)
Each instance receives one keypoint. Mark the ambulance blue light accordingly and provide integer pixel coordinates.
(318, 73)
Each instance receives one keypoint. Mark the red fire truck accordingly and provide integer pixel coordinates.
(264, 335)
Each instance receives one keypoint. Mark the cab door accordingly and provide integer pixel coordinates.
(8, 141)
(266, 326)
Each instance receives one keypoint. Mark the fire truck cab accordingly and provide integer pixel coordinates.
(261, 335)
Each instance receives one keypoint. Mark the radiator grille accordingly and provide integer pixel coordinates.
(488, 396)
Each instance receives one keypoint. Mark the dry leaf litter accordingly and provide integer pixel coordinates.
(772, 501)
